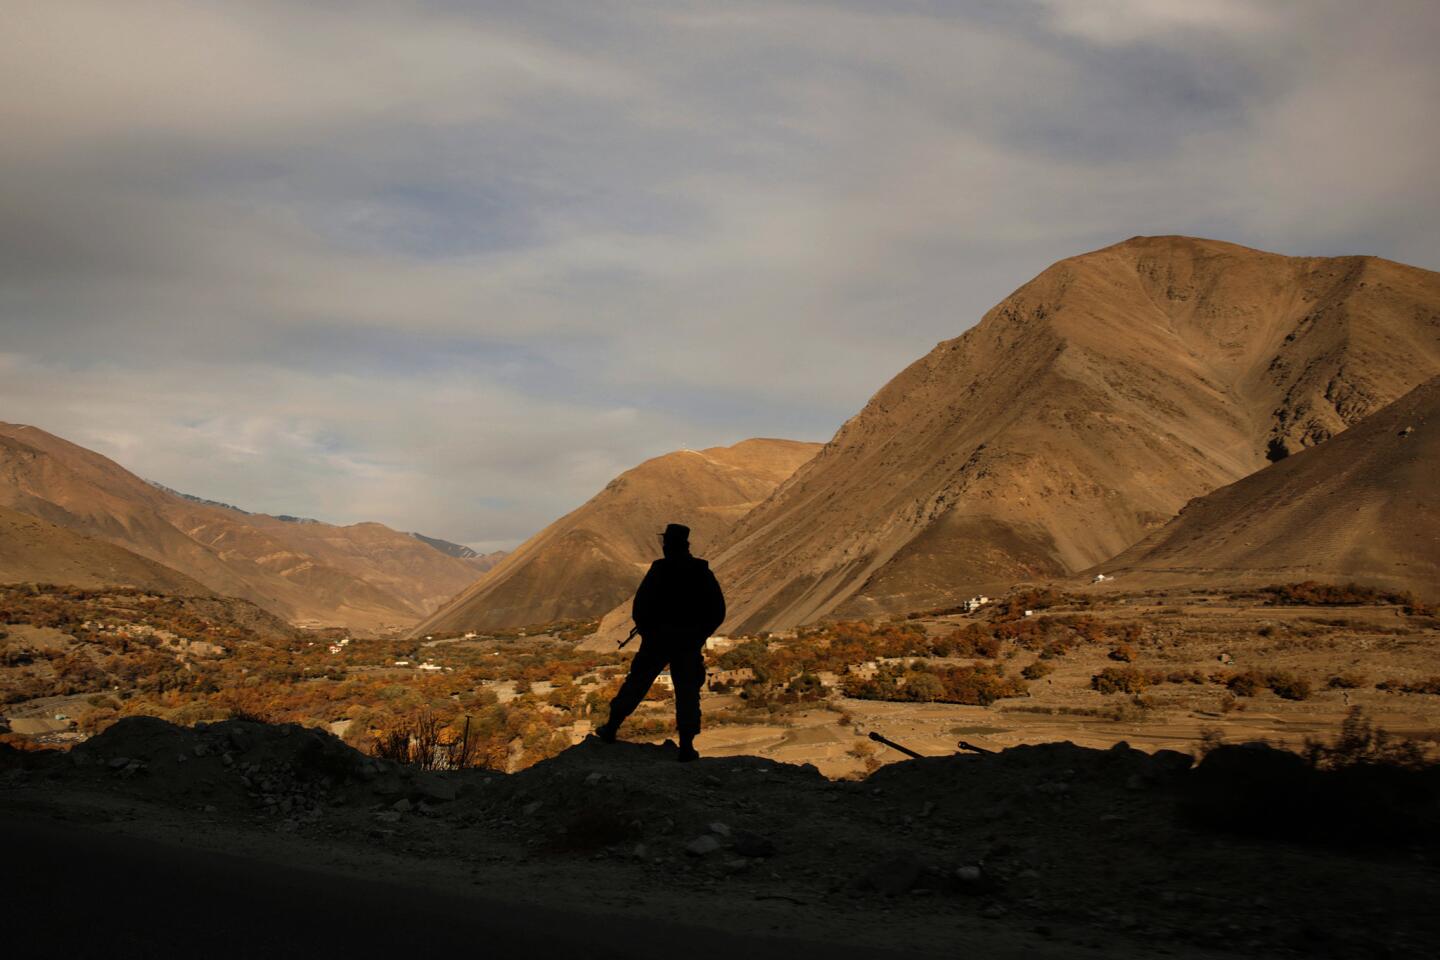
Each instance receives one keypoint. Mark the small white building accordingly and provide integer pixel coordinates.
(975, 603)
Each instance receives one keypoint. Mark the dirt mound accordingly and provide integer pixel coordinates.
(1258, 791)
(1363, 506)
(1094, 847)
(1077, 417)
(283, 771)
(635, 795)
(591, 559)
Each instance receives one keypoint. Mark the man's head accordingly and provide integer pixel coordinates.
(676, 540)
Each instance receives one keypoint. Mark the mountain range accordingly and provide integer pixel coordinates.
(1077, 417)
(365, 576)
(1063, 432)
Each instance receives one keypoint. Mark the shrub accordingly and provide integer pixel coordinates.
(971, 640)
(925, 687)
(1133, 710)
(978, 685)
(1313, 594)
(807, 686)
(1245, 684)
(1119, 680)
(415, 741)
(393, 745)
(1210, 739)
(1284, 685)
(1347, 681)
(1087, 628)
(861, 749)
(1036, 670)
(1288, 686)
(1054, 650)
(1361, 743)
(1418, 608)
(641, 728)
(1122, 652)
(1429, 685)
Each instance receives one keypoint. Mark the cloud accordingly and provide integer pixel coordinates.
(1118, 22)
(343, 447)
(452, 266)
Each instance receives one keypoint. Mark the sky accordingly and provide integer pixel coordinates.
(453, 266)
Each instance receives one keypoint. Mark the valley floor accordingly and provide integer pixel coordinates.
(1195, 633)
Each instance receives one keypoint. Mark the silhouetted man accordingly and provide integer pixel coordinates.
(678, 606)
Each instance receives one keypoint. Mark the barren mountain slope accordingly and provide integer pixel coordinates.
(481, 562)
(1363, 506)
(1080, 414)
(365, 576)
(593, 557)
(408, 570)
(37, 551)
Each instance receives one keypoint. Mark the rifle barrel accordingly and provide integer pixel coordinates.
(895, 746)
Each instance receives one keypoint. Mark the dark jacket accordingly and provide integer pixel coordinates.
(679, 597)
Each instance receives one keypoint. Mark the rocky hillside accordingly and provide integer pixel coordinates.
(365, 576)
(1363, 506)
(480, 561)
(1077, 417)
(593, 557)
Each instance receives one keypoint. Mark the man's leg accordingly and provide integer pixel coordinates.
(649, 660)
(688, 671)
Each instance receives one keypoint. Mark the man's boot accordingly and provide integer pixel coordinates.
(606, 732)
(687, 750)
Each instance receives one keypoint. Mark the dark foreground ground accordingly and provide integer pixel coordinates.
(241, 839)
(168, 900)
